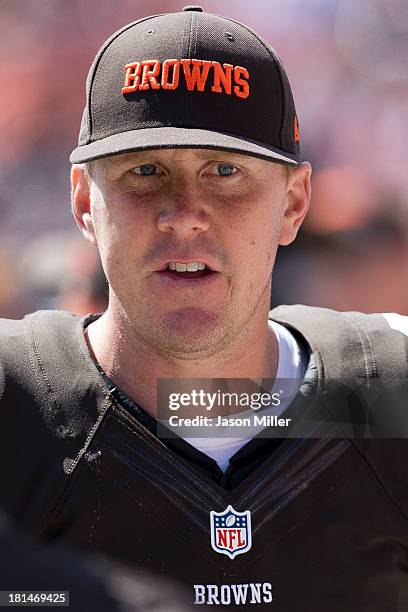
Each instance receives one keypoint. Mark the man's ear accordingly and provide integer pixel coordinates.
(297, 202)
(81, 202)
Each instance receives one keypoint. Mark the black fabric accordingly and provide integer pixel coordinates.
(261, 123)
(52, 392)
(90, 584)
(329, 516)
(355, 345)
(24, 567)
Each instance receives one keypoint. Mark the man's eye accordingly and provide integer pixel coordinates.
(226, 169)
(145, 170)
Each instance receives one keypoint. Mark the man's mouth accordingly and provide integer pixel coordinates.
(193, 269)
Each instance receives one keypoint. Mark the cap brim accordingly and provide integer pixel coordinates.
(177, 137)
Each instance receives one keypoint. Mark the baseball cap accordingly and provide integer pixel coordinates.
(189, 79)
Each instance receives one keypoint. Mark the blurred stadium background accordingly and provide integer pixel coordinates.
(348, 64)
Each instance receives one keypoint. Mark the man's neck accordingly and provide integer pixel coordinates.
(135, 366)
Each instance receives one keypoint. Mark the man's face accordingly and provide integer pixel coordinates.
(150, 212)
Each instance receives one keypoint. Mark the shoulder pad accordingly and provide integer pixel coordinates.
(348, 344)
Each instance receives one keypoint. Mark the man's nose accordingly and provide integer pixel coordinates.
(185, 217)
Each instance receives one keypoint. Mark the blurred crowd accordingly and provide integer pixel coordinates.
(348, 64)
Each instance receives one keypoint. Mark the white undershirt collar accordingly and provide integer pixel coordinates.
(292, 363)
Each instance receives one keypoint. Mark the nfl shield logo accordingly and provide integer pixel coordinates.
(231, 532)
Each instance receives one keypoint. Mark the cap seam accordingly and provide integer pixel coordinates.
(98, 59)
(283, 100)
(183, 45)
(194, 54)
(189, 54)
(273, 54)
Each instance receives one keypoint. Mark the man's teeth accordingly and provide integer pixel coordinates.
(189, 267)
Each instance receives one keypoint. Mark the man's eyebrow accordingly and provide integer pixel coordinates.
(136, 158)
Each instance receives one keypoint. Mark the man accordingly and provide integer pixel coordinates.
(187, 177)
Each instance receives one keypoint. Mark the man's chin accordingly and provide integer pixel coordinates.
(192, 330)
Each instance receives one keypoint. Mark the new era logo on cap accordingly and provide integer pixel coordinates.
(188, 79)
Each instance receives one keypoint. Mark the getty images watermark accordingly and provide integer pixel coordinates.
(204, 399)
(222, 407)
(282, 408)
(221, 400)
